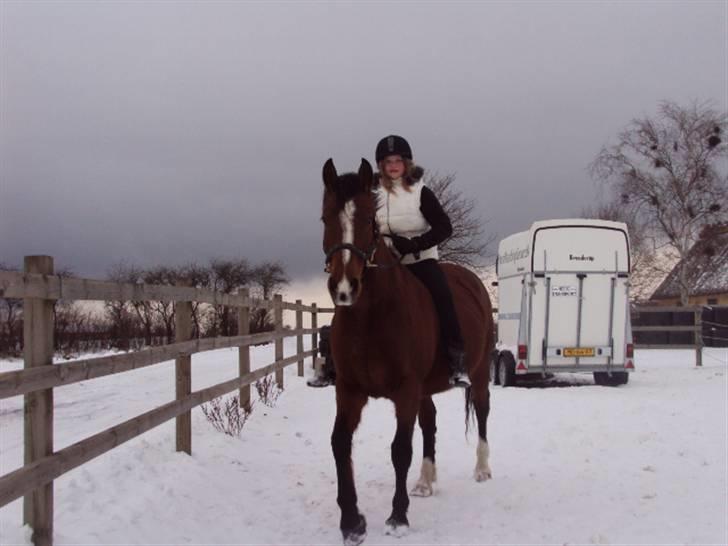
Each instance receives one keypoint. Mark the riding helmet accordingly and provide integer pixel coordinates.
(393, 145)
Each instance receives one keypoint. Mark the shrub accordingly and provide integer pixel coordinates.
(268, 390)
(226, 415)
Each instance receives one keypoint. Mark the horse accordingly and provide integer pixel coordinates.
(385, 343)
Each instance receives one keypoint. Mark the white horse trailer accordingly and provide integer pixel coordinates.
(563, 302)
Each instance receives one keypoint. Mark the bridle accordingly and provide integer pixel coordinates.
(366, 255)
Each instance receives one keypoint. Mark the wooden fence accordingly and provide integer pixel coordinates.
(650, 322)
(38, 288)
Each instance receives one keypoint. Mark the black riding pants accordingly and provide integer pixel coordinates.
(429, 272)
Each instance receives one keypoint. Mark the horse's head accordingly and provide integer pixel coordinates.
(350, 229)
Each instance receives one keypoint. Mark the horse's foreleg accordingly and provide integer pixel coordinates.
(428, 473)
(397, 523)
(481, 400)
(348, 413)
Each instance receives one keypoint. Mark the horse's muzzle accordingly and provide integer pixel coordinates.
(344, 293)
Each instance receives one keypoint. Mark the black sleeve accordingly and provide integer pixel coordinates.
(440, 226)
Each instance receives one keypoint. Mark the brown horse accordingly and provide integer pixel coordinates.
(385, 343)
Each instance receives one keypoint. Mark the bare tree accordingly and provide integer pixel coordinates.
(11, 321)
(269, 277)
(163, 310)
(121, 314)
(199, 277)
(143, 309)
(68, 319)
(227, 276)
(468, 245)
(650, 264)
(71, 324)
(666, 171)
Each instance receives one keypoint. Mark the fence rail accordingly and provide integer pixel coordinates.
(39, 288)
(704, 332)
(20, 285)
(46, 377)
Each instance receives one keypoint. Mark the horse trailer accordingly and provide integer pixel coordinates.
(563, 302)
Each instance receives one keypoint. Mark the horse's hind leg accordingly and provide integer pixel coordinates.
(348, 413)
(406, 411)
(428, 473)
(481, 401)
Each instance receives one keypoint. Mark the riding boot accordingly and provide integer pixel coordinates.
(458, 371)
(325, 375)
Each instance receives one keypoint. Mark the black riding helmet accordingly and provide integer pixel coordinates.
(393, 145)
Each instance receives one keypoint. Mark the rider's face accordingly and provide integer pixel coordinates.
(394, 166)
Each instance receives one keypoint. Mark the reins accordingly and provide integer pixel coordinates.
(367, 256)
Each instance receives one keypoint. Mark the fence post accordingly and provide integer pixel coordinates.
(183, 373)
(698, 336)
(314, 335)
(299, 337)
(38, 412)
(244, 350)
(278, 321)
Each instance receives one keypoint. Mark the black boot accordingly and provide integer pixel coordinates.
(458, 371)
(325, 375)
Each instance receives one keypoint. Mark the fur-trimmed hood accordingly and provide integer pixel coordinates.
(415, 175)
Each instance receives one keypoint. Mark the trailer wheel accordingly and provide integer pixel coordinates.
(616, 379)
(494, 369)
(506, 371)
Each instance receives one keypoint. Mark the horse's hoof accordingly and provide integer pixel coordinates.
(421, 490)
(482, 474)
(356, 535)
(396, 528)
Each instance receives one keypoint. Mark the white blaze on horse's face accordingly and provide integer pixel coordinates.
(346, 217)
(343, 293)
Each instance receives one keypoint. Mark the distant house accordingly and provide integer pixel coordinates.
(707, 273)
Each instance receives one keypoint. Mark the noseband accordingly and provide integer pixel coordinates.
(364, 255)
(367, 256)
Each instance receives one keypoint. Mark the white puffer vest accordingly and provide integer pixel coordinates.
(399, 213)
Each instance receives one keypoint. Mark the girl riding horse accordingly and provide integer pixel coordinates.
(413, 218)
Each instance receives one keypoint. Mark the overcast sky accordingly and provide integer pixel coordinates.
(166, 132)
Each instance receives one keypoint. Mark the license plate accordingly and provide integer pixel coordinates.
(579, 351)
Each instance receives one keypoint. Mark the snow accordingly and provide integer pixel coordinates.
(646, 463)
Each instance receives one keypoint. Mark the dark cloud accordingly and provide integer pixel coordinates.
(168, 132)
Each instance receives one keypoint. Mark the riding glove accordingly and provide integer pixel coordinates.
(405, 245)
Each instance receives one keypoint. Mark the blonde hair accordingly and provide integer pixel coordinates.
(406, 177)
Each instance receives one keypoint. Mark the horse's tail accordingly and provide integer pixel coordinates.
(469, 409)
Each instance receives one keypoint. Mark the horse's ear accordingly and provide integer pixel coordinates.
(329, 174)
(366, 175)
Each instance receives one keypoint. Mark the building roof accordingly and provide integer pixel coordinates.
(707, 269)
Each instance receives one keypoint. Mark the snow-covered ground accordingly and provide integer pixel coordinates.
(646, 463)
